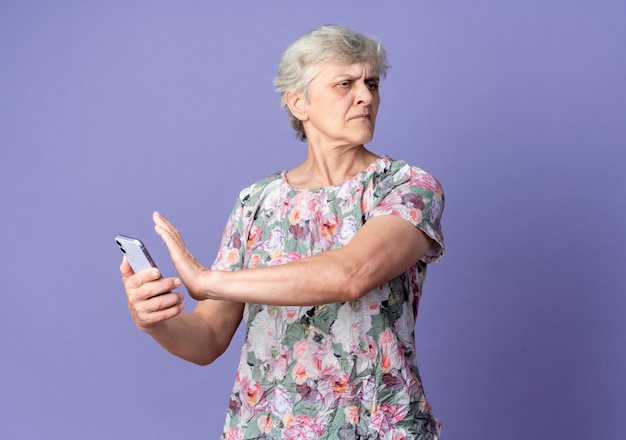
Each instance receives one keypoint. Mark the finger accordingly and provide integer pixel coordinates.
(166, 229)
(156, 288)
(156, 303)
(137, 280)
(126, 270)
(164, 223)
(151, 312)
(168, 313)
(163, 302)
(174, 243)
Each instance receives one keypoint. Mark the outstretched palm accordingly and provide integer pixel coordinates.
(188, 267)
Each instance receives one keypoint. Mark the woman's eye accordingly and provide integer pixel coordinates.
(372, 85)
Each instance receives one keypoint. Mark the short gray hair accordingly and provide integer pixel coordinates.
(300, 63)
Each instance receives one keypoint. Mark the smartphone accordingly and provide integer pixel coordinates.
(135, 252)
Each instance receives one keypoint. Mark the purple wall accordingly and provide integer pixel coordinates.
(109, 110)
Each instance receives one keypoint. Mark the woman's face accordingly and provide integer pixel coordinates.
(341, 105)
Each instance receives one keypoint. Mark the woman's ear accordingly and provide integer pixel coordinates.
(295, 102)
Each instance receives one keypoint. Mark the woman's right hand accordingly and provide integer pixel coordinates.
(151, 299)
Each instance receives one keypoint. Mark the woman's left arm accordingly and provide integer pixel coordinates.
(383, 248)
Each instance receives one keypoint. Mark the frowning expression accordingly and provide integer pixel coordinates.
(341, 105)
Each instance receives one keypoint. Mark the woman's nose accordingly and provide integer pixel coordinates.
(363, 95)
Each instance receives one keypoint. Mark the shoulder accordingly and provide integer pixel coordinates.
(250, 194)
(395, 172)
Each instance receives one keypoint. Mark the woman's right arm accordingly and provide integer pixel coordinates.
(199, 337)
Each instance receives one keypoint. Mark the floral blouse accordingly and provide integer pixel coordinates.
(336, 371)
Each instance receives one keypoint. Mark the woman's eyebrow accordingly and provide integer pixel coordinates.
(350, 77)
(345, 76)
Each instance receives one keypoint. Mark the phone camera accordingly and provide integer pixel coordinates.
(120, 245)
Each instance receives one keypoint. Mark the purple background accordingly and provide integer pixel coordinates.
(110, 110)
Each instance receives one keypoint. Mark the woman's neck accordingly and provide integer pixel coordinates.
(330, 167)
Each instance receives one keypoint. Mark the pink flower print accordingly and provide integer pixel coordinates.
(301, 350)
(255, 260)
(327, 224)
(416, 216)
(254, 237)
(280, 257)
(351, 414)
(234, 434)
(315, 358)
(346, 230)
(325, 359)
(367, 353)
(392, 357)
(281, 404)
(291, 314)
(252, 396)
(295, 216)
(385, 363)
(305, 352)
(386, 416)
(265, 424)
(299, 374)
(390, 204)
(336, 389)
(241, 379)
(303, 428)
(253, 393)
(370, 303)
(232, 257)
(276, 240)
(367, 199)
(427, 181)
(302, 206)
(340, 383)
(278, 362)
(399, 434)
(368, 393)
(386, 337)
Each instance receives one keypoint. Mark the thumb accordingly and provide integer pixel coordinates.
(125, 269)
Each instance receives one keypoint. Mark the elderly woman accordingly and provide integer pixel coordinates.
(325, 263)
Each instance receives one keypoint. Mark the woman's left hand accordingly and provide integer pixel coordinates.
(188, 267)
